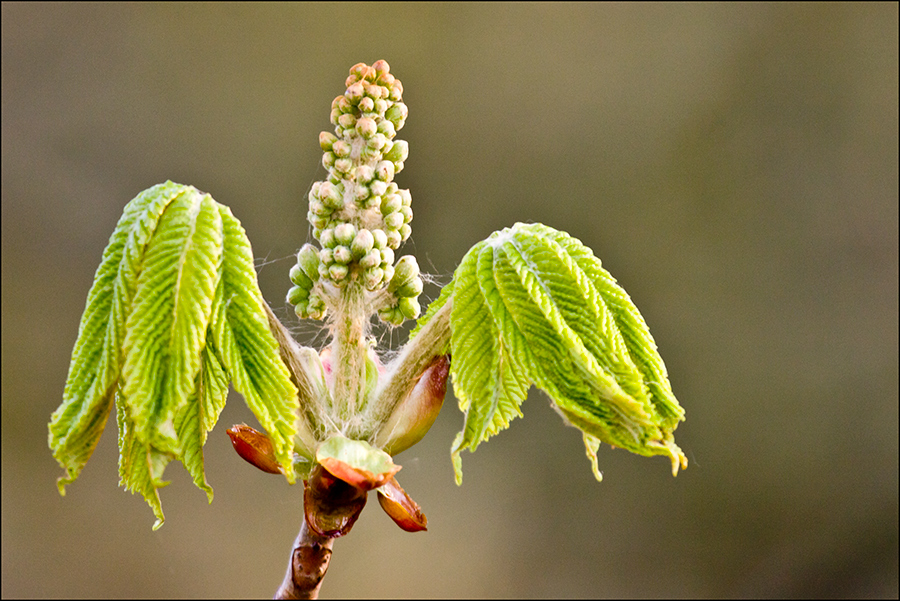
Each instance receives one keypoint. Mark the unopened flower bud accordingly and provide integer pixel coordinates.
(365, 174)
(354, 93)
(399, 151)
(345, 233)
(338, 272)
(328, 160)
(384, 171)
(317, 221)
(299, 278)
(385, 79)
(343, 166)
(394, 220)
(297, 294)
(409, 307)
(386, 128)
(359, 71)
(326, 140)
(362, 243)
(327, 238)
(390, 203)
(366, 127)
(381, 67)
(366, 105)
(391, 315)
(377, 187)
(387, 256)
(341, 149)
(380, 238)
(376, 142)
(405, 270)
(405, 231)
(308, 260)
(371, 259)
(388, 272)
(397, 114)
(326, 257)
(317, 208)
(396, 91)
(373, 277)
(393, 238)
(331, 195)
(410, 289)
(342, 254)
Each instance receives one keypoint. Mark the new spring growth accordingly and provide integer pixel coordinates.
(358, 214)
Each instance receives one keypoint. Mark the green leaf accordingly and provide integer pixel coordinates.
(532, 305)
(76, 426)
(174, 312)
(166, 328)
(247, 348)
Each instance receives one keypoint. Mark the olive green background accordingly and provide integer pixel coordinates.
(734, 166)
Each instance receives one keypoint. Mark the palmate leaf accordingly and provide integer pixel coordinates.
(531, 305)
(174, 313)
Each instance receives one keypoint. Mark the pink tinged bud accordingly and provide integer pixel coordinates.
(254, 447)
(381, 67)
(359, 71)
(366, 105)
(347, 121)
(366, 127)
(354, 93)
(343, 165)
(415, 414)
(385, 79)
(343, 105)
(330, 505)
(344, 233)
(405, 512)
(365, 174)
(396, 91)
(325, 358)
(326, 140)
(341, 149)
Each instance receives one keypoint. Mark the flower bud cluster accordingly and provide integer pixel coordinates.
(307, 302)
(405, 287)
(358, 214)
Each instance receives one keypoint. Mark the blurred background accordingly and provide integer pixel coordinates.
(734, 166)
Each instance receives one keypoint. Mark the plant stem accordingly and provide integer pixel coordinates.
(349, 351)
(307, 567)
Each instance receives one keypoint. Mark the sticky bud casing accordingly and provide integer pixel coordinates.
(415, 414)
